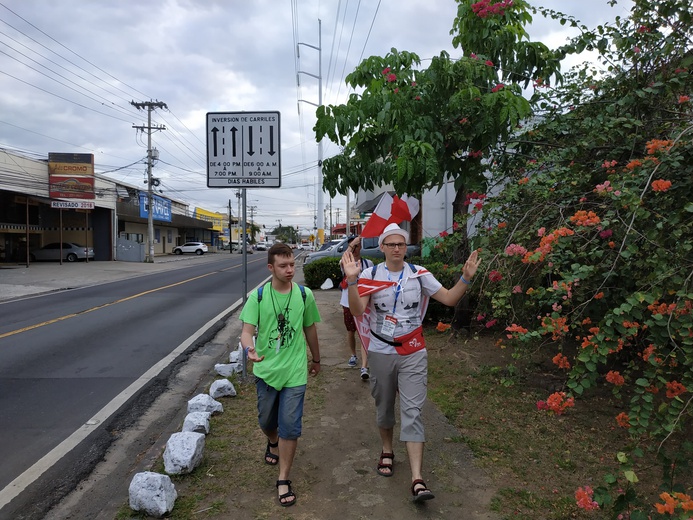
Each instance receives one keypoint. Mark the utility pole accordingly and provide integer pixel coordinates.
(149, 105)
(321, 203)
(230, 233)
(252, 222)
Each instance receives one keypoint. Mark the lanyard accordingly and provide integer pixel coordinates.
(398, 287)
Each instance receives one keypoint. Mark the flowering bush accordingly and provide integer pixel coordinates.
(595, 265)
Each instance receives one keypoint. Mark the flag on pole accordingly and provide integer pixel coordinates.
(390, 210)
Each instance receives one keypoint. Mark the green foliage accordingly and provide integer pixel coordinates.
(588, 248)
(320, 270)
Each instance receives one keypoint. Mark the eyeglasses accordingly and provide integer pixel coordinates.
(395, 245)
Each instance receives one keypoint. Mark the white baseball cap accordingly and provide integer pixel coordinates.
(393, 229)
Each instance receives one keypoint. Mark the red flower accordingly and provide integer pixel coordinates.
(495, 276)
(443, 234)
(497, 87)
(674, 388)
(489, 63)
(386, 70)
(615, 378)
(391, 78)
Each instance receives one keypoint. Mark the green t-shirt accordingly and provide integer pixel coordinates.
(286, 363)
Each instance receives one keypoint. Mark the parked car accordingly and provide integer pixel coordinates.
(261, 246)
(332, 248)
(71, 252)
(199, 248)
(370, 248)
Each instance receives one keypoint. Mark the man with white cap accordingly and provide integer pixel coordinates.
(393, 297)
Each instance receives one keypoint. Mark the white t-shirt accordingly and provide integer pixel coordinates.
(344, 299)
(407, 310)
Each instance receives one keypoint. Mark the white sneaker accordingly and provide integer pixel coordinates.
(364, 373)
(352, 361)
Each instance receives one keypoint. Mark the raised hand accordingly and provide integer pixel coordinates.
(471, 265)
(351, 267)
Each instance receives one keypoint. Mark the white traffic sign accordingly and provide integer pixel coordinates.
(243, 150)
(73, 204)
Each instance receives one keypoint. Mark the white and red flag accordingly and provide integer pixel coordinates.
(390, 210)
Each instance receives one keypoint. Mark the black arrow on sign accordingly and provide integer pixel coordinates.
(233, 141)
(250, 141)
(271, 150)
(214, 131)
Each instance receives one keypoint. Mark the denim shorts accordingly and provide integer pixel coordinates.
(280, 410)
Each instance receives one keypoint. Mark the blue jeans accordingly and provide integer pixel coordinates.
(280, 410)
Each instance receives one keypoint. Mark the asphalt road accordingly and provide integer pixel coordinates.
(76, 365)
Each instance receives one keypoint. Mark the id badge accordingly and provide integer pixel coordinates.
(389, 325)
(278, 344)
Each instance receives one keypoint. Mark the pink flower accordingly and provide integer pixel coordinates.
(386, 70)
(684, 99)
(636, 50)
(391, 78)
(515, 249)
(541, 231)
(541, 405)
(473, 56)
(517, 289)
(491, 323)
(396, 90)
(481, 317)
(455, 226)
(489, 63)
(606, 233)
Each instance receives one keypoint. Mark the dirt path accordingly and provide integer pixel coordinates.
(334, 471)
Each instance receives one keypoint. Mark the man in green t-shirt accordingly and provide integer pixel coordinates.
(284, 318)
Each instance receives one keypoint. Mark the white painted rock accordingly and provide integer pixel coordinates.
(204, 403)
(222, 388)
(225, 370)
(152, 493)
(183, 452)
(197, 422)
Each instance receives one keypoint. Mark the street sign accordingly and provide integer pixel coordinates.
(243, 150)
(73, 204)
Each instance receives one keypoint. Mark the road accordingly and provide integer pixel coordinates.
(71, 362)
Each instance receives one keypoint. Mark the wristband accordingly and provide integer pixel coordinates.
(316, 362)
(352, 283)
(464, 281)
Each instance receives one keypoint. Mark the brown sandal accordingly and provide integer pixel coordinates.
(422, 493)
(382, 466)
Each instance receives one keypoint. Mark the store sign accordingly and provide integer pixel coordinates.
(74, 204)
(161, 209)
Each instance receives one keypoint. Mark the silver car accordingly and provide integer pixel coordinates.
(333, 248)
(71, 252)
(199, 248)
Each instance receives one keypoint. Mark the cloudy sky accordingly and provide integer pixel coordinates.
(70, 68)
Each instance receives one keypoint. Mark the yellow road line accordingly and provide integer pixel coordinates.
(68, 316)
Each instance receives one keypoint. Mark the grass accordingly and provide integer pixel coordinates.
(535, 460)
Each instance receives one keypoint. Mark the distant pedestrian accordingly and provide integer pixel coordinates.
(394, 296)
(284, 315)
(355, 249)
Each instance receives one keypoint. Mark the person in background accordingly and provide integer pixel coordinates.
(355, 248)
(394, 296)
(284, 315)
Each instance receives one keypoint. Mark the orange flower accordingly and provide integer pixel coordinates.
(585, 218)
(658, 144)
(661, 185)
(623, 420)
(523, 180)
(442, 327)
(599, 296)
(675, 388)
(501, 225)
(561, 361)
(668, 506)
(615, 378)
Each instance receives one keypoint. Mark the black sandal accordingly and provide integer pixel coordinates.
(421, 494)
(271, 458)
(382, 465)
(288, 494)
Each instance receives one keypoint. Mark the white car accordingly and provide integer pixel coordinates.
(199, 248)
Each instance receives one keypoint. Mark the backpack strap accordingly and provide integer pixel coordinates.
(375, 267)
